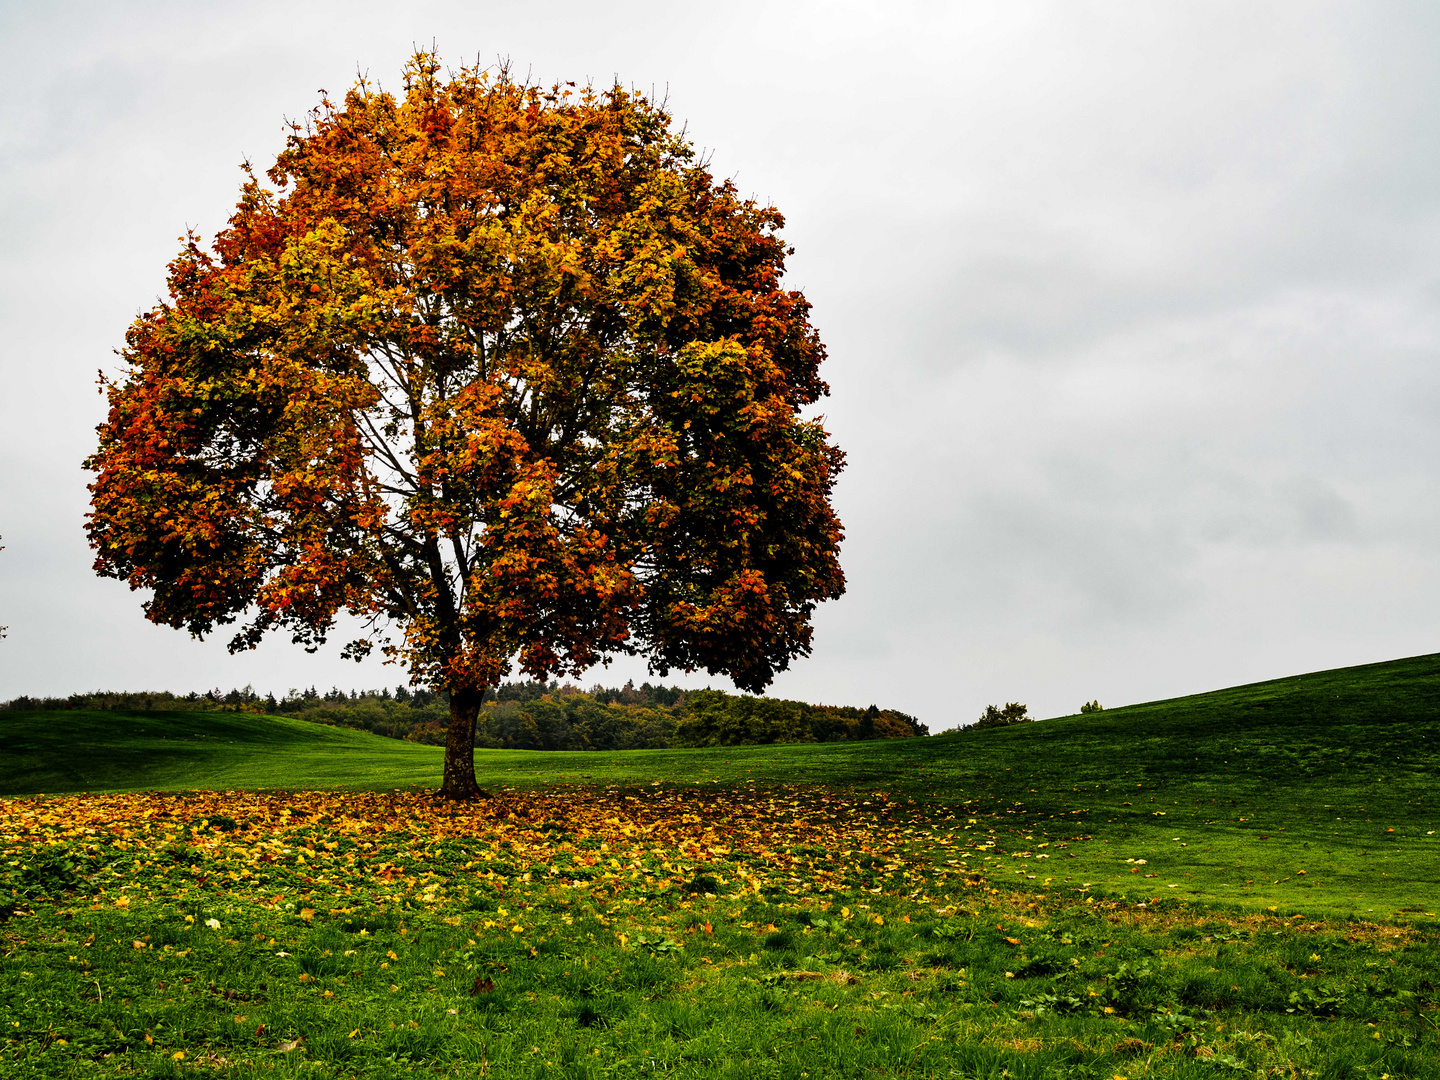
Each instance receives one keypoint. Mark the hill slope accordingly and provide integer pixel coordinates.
(1351, 729)
(64, 751)
(1227, 796)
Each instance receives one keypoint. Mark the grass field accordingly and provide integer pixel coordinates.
(1231, 883)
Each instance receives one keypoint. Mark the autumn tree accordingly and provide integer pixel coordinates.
(500, 369)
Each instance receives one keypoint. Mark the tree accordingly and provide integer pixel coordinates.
(1012, 713)
(498, 366)
(1092, 707)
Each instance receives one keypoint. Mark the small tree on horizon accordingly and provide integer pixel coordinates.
(1012, 713)
(501, 366)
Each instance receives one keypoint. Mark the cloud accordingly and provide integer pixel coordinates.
(1132, 313)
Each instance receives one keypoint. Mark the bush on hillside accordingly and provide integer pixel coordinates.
(1092, 707)
(1012, 713)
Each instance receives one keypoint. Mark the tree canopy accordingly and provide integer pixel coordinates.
(498, 365)
(1012, 713)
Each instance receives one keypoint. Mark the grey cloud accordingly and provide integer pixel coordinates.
(1132, 313)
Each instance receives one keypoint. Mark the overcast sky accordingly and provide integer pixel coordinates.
(1133, 313)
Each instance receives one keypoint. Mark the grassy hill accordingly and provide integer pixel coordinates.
(1228, 796)
(65, 751)
(988, 904)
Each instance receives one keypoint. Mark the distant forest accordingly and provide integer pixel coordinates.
(542, 716)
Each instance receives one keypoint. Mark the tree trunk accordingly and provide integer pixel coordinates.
(459, 781)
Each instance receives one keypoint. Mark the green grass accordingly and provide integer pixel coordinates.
(177, 751)
(1226, 795)
(449, 948)
(1021, 936)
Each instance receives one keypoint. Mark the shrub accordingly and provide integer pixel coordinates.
(1092, 706)
(1012, 713)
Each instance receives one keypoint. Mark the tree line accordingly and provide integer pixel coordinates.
(535, 715)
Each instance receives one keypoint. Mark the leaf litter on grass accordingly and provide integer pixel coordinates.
(794, 930)
(344, 842)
